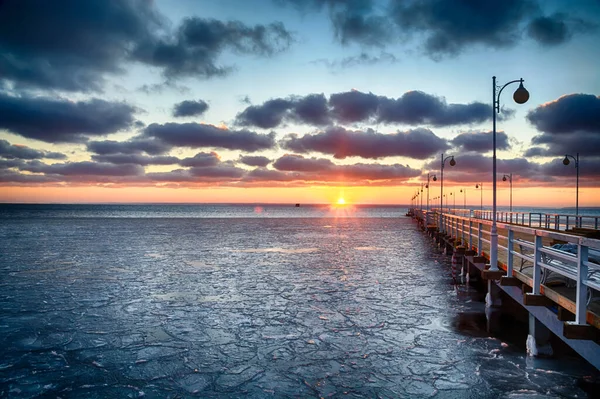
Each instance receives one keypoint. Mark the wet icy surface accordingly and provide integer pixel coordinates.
(158, 308)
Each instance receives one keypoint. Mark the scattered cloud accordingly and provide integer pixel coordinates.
(12, 151)
(197, 135)
(136, 159)
(190, 108)
(362, 59)
(341, 143)
(259, 161)
(201, 159)
(137, 145)
(73, 47)
(412, 108)
(481, 141)
(62, 121)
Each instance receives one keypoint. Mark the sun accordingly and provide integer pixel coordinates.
(341, 201)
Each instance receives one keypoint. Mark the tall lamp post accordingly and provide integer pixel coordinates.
(434, 178)
(567, 162)
(520, 96)
(464, 191)
(509, 178)
(480, 186)
(452, 163)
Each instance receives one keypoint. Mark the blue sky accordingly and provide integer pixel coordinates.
(84, 74)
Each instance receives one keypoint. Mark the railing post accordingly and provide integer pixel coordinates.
(509, 255)
(479, 236)
(582, 271)
(470, 234)
(537, 267)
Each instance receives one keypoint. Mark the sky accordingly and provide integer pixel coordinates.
(298, 101)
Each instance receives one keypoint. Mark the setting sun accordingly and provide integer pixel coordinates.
(341, 201)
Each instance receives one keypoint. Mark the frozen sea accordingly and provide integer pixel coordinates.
(253, 301)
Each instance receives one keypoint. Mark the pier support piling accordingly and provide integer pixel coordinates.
(538, 340)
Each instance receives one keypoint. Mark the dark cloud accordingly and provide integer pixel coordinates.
(341, 143)
(197, 135)
(568, 114)
(58, 120)
(194, 49)
(258, 160)
(585, 143)
(557, 28)
(416, 107)
(311, 109)
(202, 159)
(190, 108)
(136, 159)
(85, 168)
(412, 108)
(12, 151)
(74, 45)
(321, 169)
(353, 106)
(137, 145)
(481, 141)
(363, 59)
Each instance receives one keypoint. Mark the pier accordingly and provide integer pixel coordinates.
(548, 264)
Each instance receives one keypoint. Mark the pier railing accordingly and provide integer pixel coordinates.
(550, 254)
(554, 221)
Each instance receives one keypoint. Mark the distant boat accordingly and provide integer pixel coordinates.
(297, 205)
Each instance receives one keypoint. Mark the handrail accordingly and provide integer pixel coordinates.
(580, 267)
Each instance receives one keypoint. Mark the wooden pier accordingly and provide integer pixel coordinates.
(554, 275)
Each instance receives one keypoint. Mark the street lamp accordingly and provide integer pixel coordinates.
(480, 186)
(567, 162)
(464, 197)
(509, 178)
(520, 96)
(427, 187)
(452, 163)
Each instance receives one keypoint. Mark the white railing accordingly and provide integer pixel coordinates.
(553, 221)
(581, 268)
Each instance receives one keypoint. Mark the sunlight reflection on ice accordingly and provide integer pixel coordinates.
(278, 250)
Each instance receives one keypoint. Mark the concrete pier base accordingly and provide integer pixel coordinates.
(538, 340)
(492, 298)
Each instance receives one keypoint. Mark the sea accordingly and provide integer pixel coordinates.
(251, 301)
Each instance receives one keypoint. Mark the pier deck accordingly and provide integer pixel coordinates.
(558, 287)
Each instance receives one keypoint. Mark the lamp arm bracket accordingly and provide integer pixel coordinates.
(499, 89)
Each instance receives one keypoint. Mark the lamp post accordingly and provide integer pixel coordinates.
(567, 162)
(509, 178)
(480, 186)
(520, 96)
(454, 197)
(464, 191)
(434, 178)
(452, 163)
(421, 195)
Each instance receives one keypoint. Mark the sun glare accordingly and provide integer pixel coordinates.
(341, 201)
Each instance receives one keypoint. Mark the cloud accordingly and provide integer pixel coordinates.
(341, 143)
(194, 49)
(190, 108)
(481, 141)
(135, 159)
(75, 45)
(12, 151)
(85, 168)
(569, 124)
(201, 159)
(321, 169)
(258, 160)
(447, 27)
(62, 121)
(412, 108)
(557, 28)
(362, 59)
(197, 135)
(568, 114)
(311, 109)
(137, 145)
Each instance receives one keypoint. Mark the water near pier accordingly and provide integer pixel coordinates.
(260, 301)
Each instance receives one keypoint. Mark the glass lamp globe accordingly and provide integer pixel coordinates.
(521, 95)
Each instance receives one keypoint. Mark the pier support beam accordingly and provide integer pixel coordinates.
(492, 298)
(538, 340)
